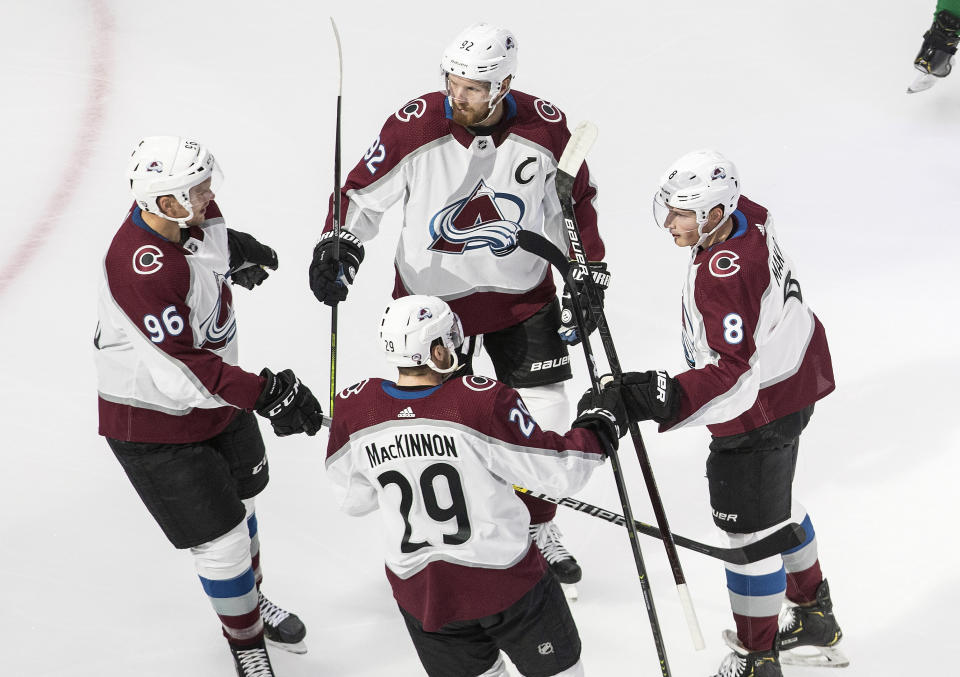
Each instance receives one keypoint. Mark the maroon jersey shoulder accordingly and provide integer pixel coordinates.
(415, 124)
(540, 121)
(140, 263)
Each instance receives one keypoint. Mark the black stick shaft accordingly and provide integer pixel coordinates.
(336, 221)
(621, 486)
(784, 538)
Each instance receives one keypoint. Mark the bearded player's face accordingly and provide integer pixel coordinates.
(469, 99)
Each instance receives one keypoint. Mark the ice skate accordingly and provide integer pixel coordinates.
(562, 563)
(809, 634)
(252, 661)
(281, 628)
(935, 60)
(744, 663)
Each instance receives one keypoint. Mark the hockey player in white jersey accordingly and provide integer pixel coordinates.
(174, 406)
(758, 360)
(438, 455)
(473, 165)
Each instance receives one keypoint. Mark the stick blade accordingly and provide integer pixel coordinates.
(577, 148)
(540, 246)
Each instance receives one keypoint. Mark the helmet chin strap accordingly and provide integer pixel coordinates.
(449, 370)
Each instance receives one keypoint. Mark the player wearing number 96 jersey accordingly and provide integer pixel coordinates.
(439, 459)
(175, 407)
(758, 360)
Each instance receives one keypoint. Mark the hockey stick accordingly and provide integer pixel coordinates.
(784, 538)
(575, 154)
(336, 220)
(568, 167)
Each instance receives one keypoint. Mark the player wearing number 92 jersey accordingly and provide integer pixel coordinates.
(439, 463)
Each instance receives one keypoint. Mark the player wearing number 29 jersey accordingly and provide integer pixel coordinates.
(461, 549)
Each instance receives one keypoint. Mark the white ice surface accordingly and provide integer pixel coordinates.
(807, 98)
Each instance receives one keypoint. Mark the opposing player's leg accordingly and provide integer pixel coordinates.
(241, 445)
(531, 357)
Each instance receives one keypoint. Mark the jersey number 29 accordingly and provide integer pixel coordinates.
(456, 510)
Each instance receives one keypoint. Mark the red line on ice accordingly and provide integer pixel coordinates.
(91, 126)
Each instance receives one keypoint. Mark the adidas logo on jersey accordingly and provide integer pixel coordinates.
(407, 413)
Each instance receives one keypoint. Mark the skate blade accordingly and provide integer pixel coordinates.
(923, 82)
(570, 591)
(815, 657)
(297, 647)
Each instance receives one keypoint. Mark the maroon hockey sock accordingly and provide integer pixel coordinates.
(756, 633)
(540, 511)
(802, 585)
(243, 631)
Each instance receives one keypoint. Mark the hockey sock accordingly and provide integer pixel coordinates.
(254, 540)
(756, 593)
(228, 579)
(801, 563)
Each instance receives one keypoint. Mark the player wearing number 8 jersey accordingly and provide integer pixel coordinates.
(759, 360)
(439, 458)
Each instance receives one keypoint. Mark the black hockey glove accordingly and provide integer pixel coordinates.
(568, 320)
(289, 404)
(649, 395)
(330, 278)
(249, 259)
(604, 414)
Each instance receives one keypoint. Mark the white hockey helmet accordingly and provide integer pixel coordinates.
(169, 165)
(698, 181)
(484, 53)
(411, 324)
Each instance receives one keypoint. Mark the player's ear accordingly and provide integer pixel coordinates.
(714, 217)
(440, 355)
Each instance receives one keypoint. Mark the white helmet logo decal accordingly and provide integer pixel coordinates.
(155, 166)
(718, 173)
(424, 314)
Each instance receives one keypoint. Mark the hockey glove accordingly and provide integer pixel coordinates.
(249, 259)
(330, 278)
(289, 404)
(604, 414)
(649, 395)
(568, 320)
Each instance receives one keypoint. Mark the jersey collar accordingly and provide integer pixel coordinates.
(391, 389)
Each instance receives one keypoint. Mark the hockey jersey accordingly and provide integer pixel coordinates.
(756, 350)
(440, 464)
(465, 198)
(166, 340)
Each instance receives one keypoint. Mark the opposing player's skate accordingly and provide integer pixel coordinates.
(564, 565)
(252, 661)
(809, 634)
(936, 57)
(745, 663)
(281, 628)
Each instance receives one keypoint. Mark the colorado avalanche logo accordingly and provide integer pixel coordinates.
(718, 173)
(424, 314)
(485, 219)
(155, 166)
(478, 383)
(547, 111)
(724, 264)
(220, 326)
(414, 109)
(146, 260)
